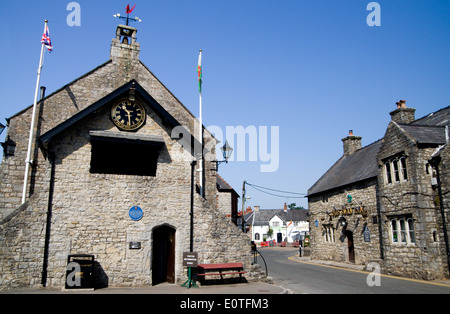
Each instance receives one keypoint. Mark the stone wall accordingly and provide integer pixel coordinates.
(414, 198)
(90, 214)
(328, 208)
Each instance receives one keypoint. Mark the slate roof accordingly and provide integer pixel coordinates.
(263, 216)
(429, 129)
(425, 134)
(362, 164)
(440, 118)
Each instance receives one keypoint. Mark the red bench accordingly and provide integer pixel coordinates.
(221, 269)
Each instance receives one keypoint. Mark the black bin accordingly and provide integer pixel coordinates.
(80, 271)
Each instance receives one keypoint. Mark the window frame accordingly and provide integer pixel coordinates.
(395, 169)
(328, 233)
(402, 230)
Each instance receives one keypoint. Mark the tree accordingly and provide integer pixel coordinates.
(294, 206)
(270, 233)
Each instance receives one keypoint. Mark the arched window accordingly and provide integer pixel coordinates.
(402, 230)
(396, 171)
(388, 172)
(257, 236)
(394, 231)
(412, 233)
(403, 168)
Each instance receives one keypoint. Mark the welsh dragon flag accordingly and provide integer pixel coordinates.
(199, 71)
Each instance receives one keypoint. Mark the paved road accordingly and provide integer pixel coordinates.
(305, 277)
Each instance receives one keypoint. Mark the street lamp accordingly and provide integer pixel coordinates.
(227, 150)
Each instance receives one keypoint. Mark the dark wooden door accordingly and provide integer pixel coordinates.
(351, 247)
(163, 261)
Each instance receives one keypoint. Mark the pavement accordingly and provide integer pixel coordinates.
(166, 288)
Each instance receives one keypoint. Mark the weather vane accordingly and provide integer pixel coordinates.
(127, 18)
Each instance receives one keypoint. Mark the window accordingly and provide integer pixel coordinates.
(395, 170)
(403, 166)
(396, 173)
(276, 223)
(394, 231)
(328, 233)
(388, 172)
(402, 230)
(412, 233)
(257, 236)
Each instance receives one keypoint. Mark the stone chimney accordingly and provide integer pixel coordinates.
(402, 114)
(351, 143)
(124, 46)
(256, 208)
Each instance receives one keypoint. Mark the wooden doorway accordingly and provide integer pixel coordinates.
(351, 247)
(163, 260)
(279, 237)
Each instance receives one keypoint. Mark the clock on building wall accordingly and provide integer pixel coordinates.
(128, 115)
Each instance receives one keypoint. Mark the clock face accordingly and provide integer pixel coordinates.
(128, 115)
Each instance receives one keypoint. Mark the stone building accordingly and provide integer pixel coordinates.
(111, 177)
(227, 199)
(388, 202)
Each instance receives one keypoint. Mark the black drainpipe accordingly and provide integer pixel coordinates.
(51, 158)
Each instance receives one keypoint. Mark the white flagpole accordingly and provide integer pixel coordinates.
(200, 129)
(28, 161)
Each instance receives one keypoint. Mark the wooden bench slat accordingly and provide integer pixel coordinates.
(219, 274)
(220, 269)
(220, 265)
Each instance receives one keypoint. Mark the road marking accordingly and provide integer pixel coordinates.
(366, 272)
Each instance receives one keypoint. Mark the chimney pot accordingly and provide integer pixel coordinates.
(402, 114)
(351, 143)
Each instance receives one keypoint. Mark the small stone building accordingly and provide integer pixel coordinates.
(111, 176)
(388, 202)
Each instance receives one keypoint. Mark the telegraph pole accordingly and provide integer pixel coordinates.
(243, 205)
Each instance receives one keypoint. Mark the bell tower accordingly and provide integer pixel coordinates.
(124, 45)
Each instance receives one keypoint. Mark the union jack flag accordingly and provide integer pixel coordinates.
(46, 39)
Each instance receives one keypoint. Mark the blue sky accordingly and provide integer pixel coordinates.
(315, 68)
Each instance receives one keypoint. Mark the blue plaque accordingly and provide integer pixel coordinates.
(135, 213)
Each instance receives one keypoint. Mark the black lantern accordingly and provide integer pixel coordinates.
(227, 150)
(8, 147)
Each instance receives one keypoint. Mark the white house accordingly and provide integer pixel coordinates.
(285, 224)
